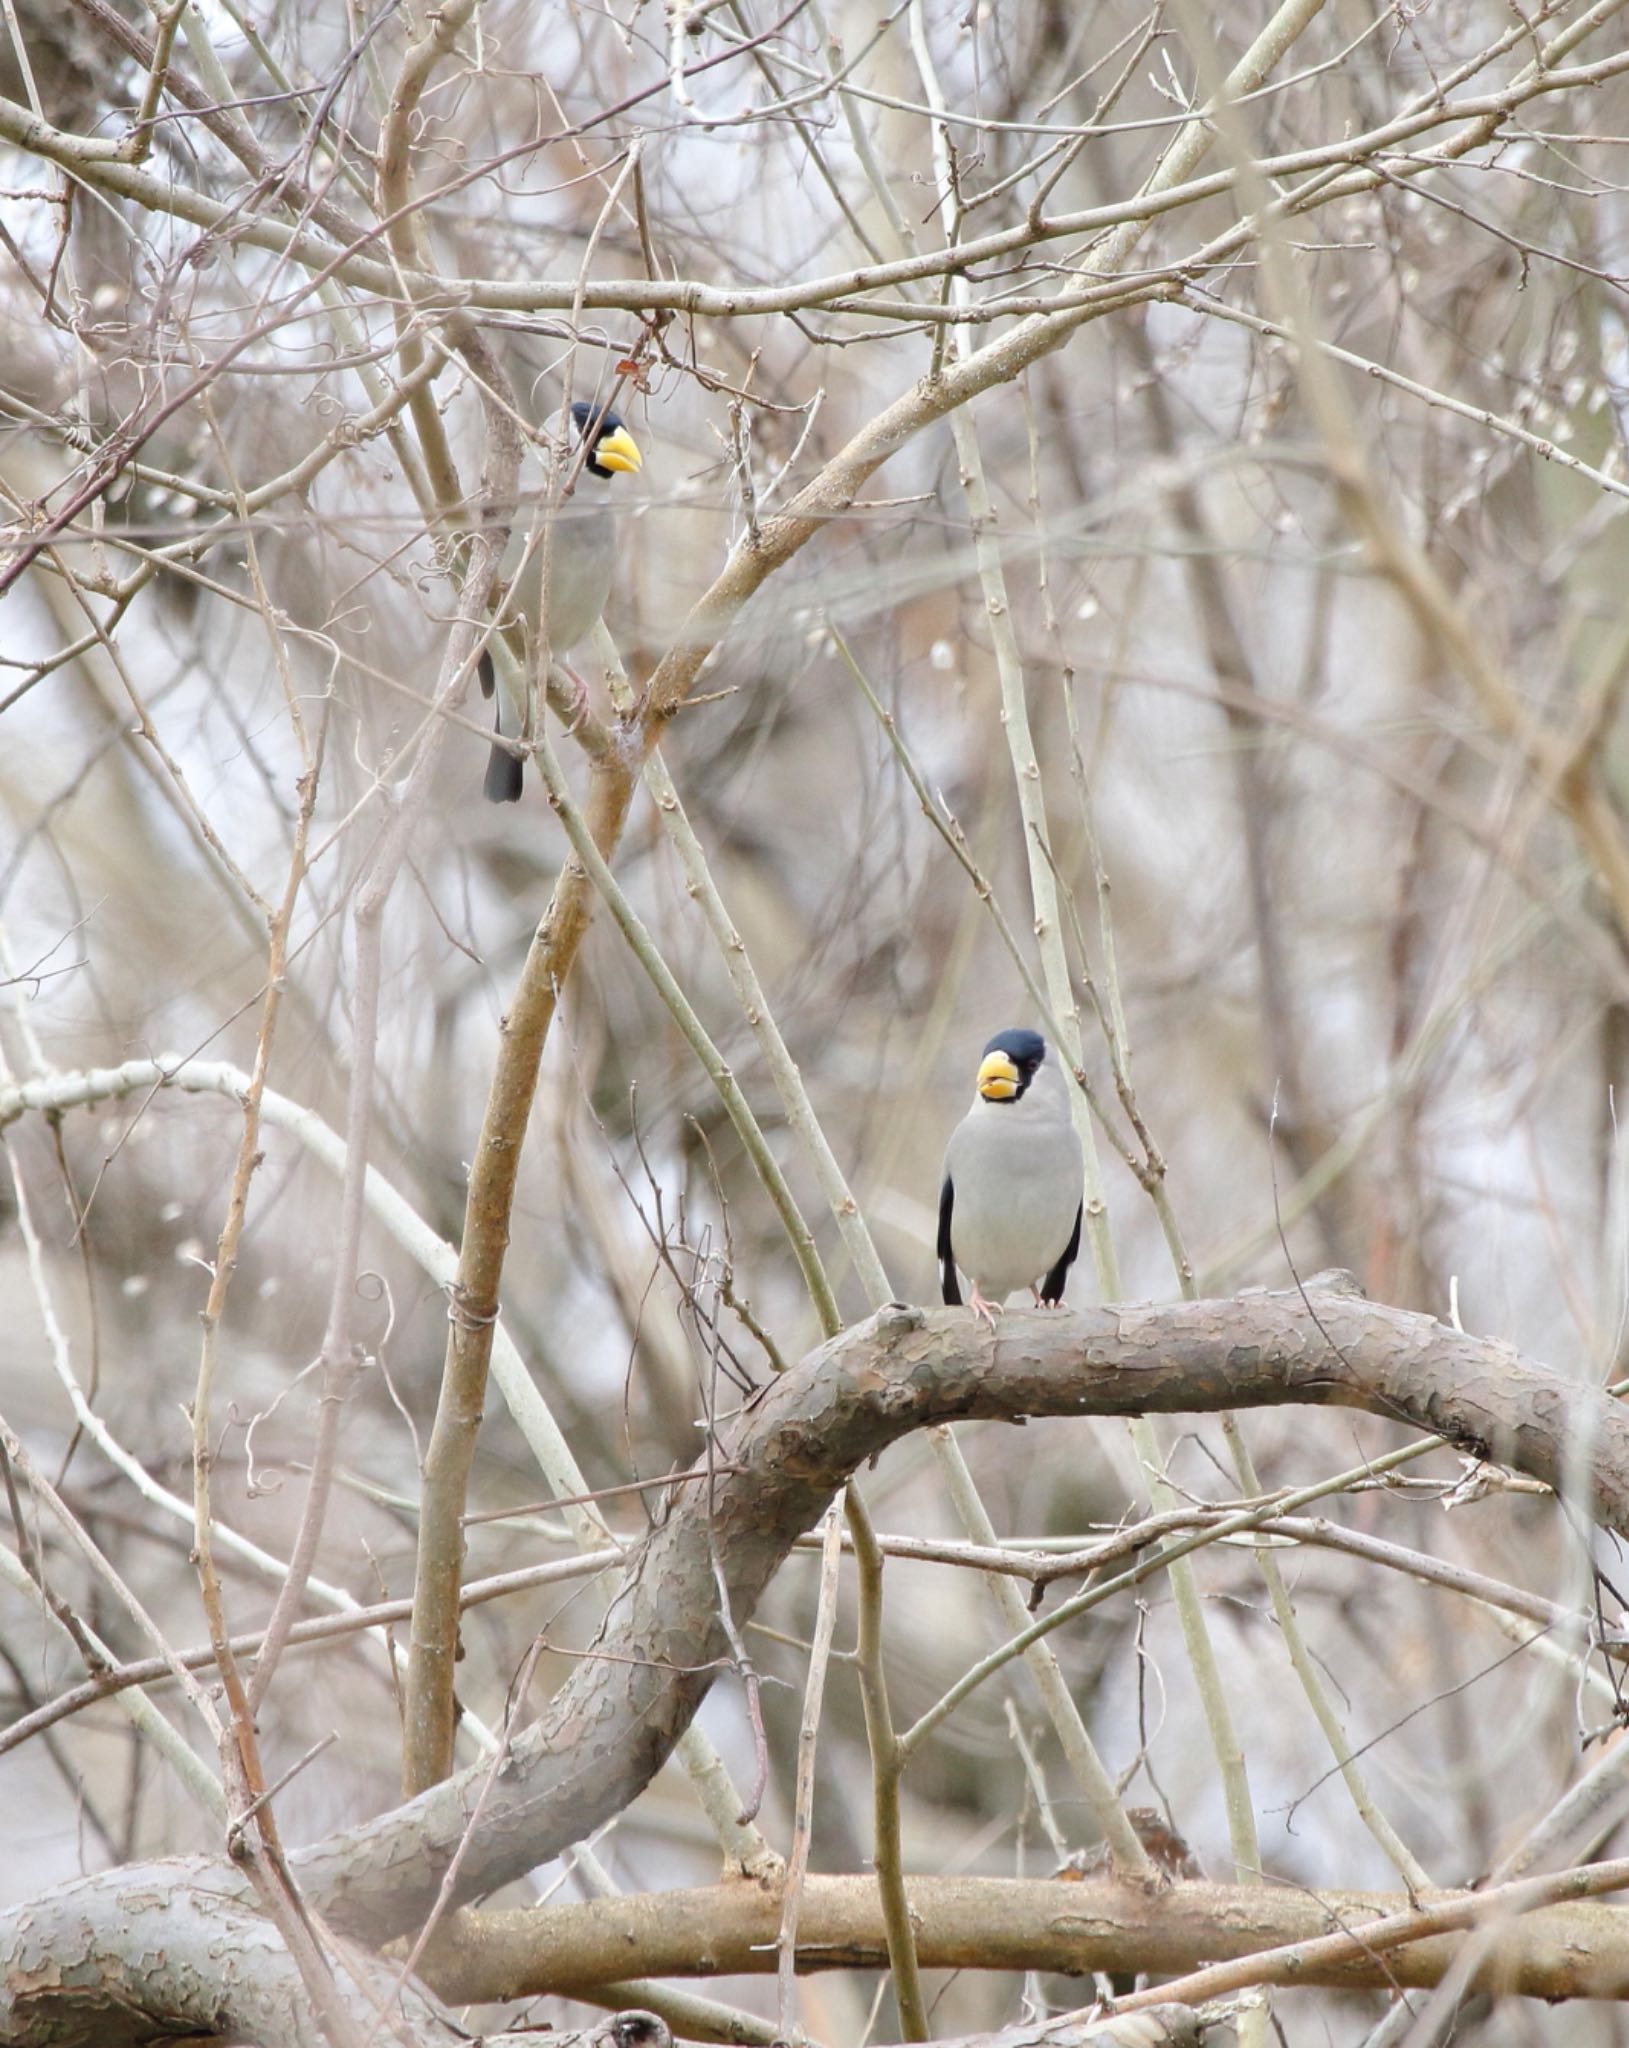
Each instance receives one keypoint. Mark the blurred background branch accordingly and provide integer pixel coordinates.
(1129, 541)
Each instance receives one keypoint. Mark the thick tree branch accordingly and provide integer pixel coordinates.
(611, 1726)
(126, 1957)
(994, 1923)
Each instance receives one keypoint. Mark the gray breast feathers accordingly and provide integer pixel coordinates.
(1016, 1174)
(581, 554)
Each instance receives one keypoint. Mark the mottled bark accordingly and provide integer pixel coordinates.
(173, 1947)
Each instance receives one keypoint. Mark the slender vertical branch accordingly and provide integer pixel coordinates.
(887, 1767)
(814, 1693)
(431, 1712)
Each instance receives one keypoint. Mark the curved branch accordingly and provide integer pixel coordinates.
(611, 1726)
(608, 1730)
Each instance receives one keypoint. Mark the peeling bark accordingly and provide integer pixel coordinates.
(173, 1947)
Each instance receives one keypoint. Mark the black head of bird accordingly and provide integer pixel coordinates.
(1011, 1203)
(1011, 1061)
(611, 449)
(558, 583)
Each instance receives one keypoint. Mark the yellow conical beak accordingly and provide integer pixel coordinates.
(998, 1078)
(618, 450)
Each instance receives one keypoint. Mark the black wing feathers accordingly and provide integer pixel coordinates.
(1053, 1285)
(949, 1286)
(505, 772)
(505, 777)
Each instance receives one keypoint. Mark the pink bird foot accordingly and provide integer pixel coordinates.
(579, 696)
